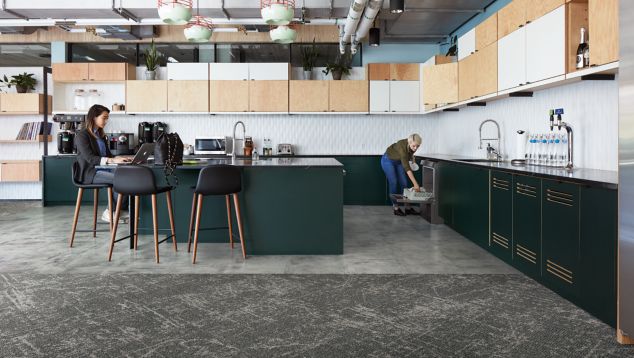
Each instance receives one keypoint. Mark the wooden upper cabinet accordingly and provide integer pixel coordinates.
(66, 72)
(24, 103)
(487, 70)
(20, 171)
(405, 72)
(268, 96)
(379, 71)
(467, 77)
(229, 96)
(603, 18)
(188, 96)
(539, 8)
(487, 32)
(576, 18)
(440, 84)
(111, 72)
(146, 96)
(308, 96)
(511, 17)
(349, 96)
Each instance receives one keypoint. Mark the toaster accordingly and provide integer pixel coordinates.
(284, 149)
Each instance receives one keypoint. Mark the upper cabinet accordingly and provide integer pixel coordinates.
(486, 33)
(512, 60)
(394, 96)
(394, 71)
(466, 44)
(546, 43)
(603, 18)
(440, 84)
(249, 71)
(229, 96)
(512, 17)
(188, 71)
(268, 96)
(73, 72)
(537, 9)
(146, 96)
(188, 96)
(348, 96)
(308, 96)
(23, 103)
(478, 74)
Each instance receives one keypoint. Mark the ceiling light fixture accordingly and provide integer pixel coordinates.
(199, 28)
(397, 6)
(283, 35)
(277, 12)
(375, 37)
(175, 12)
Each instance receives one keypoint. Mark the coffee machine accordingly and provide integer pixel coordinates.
(145, 133)
(68, 125)
(120, 143)
(158, 128)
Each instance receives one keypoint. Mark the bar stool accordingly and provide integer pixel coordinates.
(216, 180)
(137, 180)
(80, 193)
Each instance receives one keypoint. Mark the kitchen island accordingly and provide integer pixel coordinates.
(290, 206)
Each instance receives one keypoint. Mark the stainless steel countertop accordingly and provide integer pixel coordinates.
(605, 178)
(200, 163)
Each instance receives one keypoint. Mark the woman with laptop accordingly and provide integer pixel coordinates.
(92, 151)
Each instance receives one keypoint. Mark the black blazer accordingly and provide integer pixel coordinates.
(88, 155)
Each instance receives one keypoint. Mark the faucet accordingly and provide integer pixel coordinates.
(490, 149)
(233, 150)
(568, 128)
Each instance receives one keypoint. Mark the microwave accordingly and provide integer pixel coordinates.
(210, 145)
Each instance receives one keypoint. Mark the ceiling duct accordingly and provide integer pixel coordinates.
(126, 32)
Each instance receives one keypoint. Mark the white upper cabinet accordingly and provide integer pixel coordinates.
(404, 96)
(546, 46)
(188, 71)
(512, 60)
(268, 71)
(229, 71)
(466, 44)
(379, 96)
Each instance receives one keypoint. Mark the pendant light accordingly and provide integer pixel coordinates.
(375, 35)
(175, 12)
(199, 28)
(283, 35)
(277, 12)
(397, 6)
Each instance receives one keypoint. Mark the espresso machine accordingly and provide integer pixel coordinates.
(120, 143)
(145, 133)
(158, 128)
(68, 125)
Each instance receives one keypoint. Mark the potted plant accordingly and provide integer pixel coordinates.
(309, 58)
(152, 58)
(338, 70)
(23, 82)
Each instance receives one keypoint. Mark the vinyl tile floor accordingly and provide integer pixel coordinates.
(35, 239)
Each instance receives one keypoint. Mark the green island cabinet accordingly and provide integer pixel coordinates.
(561, 234)
(364, 182)
(57, 184)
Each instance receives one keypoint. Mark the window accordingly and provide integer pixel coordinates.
(106, 52)
(327, 53)
(252, 53)
(25, 55)
(171, 52)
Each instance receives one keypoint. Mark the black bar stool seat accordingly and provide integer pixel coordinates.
(80, 193)
(137, 181)
(216, 180)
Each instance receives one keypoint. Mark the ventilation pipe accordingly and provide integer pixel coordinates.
(369, 15)
(347, 32)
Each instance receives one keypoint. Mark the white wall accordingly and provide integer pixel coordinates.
(591, 107)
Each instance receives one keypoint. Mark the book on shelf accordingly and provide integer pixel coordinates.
(31, 130)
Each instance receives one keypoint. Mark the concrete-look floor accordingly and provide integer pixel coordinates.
(35, 239)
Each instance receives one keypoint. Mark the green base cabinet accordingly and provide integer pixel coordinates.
(501, 240)
(527, 225)
(57, 183)
(364, 182)
(598, 249)
(560, 237)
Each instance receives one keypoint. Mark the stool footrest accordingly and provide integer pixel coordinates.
(165, 239)
(87, 230)
(124, 238)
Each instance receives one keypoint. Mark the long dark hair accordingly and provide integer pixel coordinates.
(94, 112)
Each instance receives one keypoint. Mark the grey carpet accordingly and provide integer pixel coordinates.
(293, 316)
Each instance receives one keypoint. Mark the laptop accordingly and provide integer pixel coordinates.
(141, 156)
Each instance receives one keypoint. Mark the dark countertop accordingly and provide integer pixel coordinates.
(190, 163)
(221, 156)
(605, 178)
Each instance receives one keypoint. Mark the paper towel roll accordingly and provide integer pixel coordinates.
(521, 139)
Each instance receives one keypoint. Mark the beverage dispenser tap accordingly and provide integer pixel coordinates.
(552, 119)
(569, 132)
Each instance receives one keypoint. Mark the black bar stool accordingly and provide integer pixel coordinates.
(216, 180)
(80, 193)
(137, 180)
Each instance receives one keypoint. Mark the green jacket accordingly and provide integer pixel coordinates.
(401, 151)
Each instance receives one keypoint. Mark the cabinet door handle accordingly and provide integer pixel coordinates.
(521, 26)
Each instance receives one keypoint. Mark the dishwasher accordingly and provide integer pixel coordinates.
(426, 200)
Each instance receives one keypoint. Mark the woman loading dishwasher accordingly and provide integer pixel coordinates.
(396, 165)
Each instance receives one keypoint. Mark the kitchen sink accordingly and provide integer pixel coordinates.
(479, 160)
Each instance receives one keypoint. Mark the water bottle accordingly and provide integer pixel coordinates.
(556, 153)
(544, 150)
(564, 150)
(552, 151)
(530, 152)
(255, 156)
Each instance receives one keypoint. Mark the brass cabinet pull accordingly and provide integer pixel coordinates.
(526, 253)
(558, 202)
(559, 271)
(555, 192)
(500, 240)
(500, 187)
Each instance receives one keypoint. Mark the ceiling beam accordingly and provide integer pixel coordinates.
(469, 11)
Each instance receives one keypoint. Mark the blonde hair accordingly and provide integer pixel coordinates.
(415, 138)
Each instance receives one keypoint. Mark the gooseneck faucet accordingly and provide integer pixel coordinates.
(491, 150)
(235, 126)
(568, 128)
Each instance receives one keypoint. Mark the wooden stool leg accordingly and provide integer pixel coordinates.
(137, 205)
(170, 213)
(80, 193)
(95, 206)
(229, 220)
(110, 206)
(198, 211)
(115, 225)
(155, 224)
(239, 219)
(191, 223)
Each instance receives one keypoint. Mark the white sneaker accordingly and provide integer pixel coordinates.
(123, 217)
(105, 216)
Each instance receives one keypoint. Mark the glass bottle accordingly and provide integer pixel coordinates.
(79, 100)
(93, 97)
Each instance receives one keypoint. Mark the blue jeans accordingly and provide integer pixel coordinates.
(107, 177)
(395, 173)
